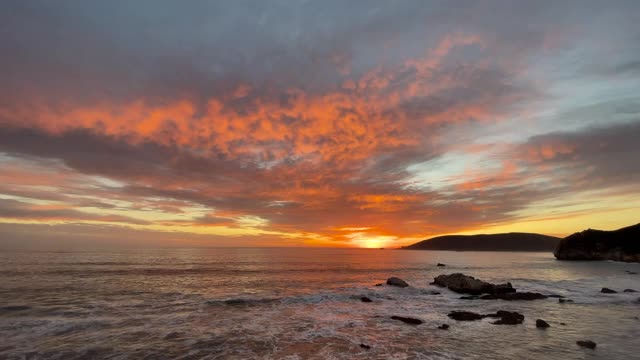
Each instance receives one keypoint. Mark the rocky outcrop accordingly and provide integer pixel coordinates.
(465, 284)
(586, 344)
(394, 281)
(618, 245)
(407, 320)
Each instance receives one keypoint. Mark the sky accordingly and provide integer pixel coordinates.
(315, 123)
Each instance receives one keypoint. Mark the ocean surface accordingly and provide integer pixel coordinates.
(287, 303)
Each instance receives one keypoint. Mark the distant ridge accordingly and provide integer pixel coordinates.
(489, 242)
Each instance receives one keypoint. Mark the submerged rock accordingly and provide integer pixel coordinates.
(378, 284)
(364, 346)
(443, 327)
(441, 264)
(172, 335)
(465, 316)
(586, 344)
(631, 272)
(507, 318)
(617, 245)
(465, 284)
(608, 291)
(629, 290)
(365, 299)
(562, 301)
(394, 281)
(407, 320)
(541, 324)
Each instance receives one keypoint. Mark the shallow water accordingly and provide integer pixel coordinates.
(266, 303)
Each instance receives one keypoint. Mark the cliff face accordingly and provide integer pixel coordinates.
(618, 245)
(489, 242)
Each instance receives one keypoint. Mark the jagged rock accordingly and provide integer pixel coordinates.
(394, 281)
(366, 347)
(586, 344)
(541, 324)
(629, 290)
(465, 284)
(465, 316)
(617, 245)
(443, 327)
(407, 320)
(507, 318)
(365, 299)
(441, 264)
(608, 291)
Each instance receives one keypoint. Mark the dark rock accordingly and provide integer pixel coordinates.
(366, 347)
(617, 245)
(394, 281)
(379, 284)
(15, 308)
(629, 290)
(407, 320)
(514, 296)
(441, 264)
(608, 291)
(562, 301)
(465, 316)
(507, 318)
(586, 344)
(555, 296)
(563, 324)
(443, 327)
(365, 299)
(631, 272)
(471, 297)
(541, 324)
(465, 284)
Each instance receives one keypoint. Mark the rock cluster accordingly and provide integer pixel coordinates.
(504, 317)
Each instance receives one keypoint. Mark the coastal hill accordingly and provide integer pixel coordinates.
(618, 245)
(489, 242)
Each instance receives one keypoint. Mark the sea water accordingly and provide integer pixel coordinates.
(293, 303)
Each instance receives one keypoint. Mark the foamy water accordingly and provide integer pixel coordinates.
(304, 304)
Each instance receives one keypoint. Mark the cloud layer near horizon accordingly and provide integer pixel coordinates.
(322, 123)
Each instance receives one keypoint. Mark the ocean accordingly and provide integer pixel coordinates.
(294, 303)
